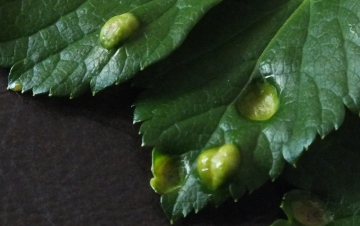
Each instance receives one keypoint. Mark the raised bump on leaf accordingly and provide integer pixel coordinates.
(166, 171)
(217, 165)
(117, 29)
(258, 102)
(15, 86)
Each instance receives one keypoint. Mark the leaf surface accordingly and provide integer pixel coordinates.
(306, 49)
(54, 45)
(330, 171)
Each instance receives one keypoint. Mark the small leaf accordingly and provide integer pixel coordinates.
(54, 45)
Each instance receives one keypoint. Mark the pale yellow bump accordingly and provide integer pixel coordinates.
(16, 86)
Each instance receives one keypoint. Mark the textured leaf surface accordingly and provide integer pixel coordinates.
(330, 170)
(54, 45)
(307, 49)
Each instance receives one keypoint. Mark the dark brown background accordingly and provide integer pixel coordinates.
(79, 162)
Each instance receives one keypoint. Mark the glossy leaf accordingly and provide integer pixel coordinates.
(54, 45)
(307, 50)
(330, 171)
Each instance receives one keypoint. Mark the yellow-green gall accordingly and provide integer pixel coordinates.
(217, 165)
(117, 29)
(15, 86)
(258, 102)
(166, 171)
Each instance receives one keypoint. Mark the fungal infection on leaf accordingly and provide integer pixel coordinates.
(117, 29)
(258, 102)
(216, 166)
(166, 171)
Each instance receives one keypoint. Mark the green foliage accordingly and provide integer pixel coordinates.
(302, 54)
(304, 208)
(306, 49)
(54, 45)
(330, 171)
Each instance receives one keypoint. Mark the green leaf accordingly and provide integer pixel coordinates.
(54, 45)
(306, 49)
(329, 171)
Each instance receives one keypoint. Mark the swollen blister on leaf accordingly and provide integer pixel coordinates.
(258, 102)
(15, 86)
(118, 29)
(166, 171)
(217, 165)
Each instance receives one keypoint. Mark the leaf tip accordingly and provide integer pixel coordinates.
(16, 86)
